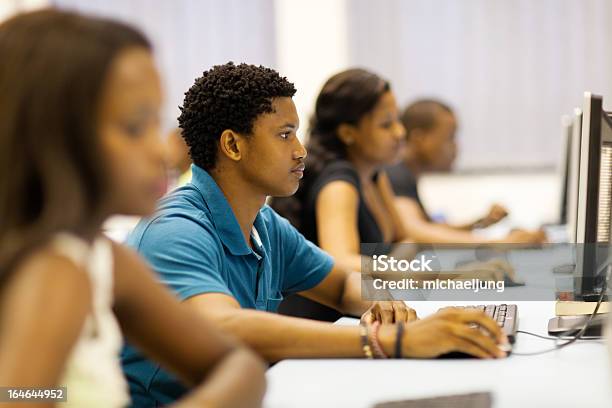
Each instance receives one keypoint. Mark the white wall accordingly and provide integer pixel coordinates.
(311, 45)
(532, 198)
(10, 7)
(511, 68)
(190, 36)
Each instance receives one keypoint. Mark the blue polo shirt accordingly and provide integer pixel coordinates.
(196, 246)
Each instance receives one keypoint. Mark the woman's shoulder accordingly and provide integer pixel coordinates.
(339, 165)
(51, 277)
(338, 170)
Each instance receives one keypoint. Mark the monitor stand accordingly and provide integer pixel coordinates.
(568, 326)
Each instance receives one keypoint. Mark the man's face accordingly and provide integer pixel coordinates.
(437, 148)
(273, 160)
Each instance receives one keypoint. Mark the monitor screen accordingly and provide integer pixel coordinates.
(594, 197)
(574, 170)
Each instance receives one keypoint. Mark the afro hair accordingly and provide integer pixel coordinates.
(225, 97)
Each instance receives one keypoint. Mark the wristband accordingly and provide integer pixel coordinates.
(365, 345)
(398, 339)
(376, 347)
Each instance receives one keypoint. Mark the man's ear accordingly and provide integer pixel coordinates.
(231, 145)
(347, 134)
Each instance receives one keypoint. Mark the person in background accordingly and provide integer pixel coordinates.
(431, 147)
(232, 259)
(79, 141)
(345, 197)
(179, 162)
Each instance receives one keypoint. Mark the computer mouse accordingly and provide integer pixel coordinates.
(456, 355)
(509, 282)
(459, 355)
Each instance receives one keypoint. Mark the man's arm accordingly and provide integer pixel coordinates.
(423, 231)
(277, 337)
(223, 372)
(496, 213)
(341, 290)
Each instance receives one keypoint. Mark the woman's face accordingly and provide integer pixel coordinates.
(379, 135)
(129, 129)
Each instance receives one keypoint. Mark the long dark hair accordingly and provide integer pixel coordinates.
(54, 65)
(344, 99)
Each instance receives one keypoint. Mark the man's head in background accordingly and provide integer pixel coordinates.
(430, 135)
(178, 152)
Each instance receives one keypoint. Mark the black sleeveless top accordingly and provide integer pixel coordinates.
(369, 231)
(404, 184)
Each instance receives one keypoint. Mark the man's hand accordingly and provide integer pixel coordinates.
(496, 214)
(389, 312)
(449, 330)
(452, 329)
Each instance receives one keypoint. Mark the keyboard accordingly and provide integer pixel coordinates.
(506, 317)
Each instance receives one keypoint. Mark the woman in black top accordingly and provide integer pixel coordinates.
(345, 198)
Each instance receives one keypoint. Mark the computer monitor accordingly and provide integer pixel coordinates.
(564, 164)
(594, 197)
(573, 174)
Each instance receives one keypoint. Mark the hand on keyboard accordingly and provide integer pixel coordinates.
(451, 330)
(506, 317)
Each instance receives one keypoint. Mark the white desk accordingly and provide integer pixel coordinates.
(574, 377)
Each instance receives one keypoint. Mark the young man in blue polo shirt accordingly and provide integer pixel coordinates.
(232, 258)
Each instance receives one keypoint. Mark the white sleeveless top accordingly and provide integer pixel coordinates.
(93, 374)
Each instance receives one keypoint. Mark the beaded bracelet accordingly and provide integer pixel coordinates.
(376, 347)
(365, 345)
